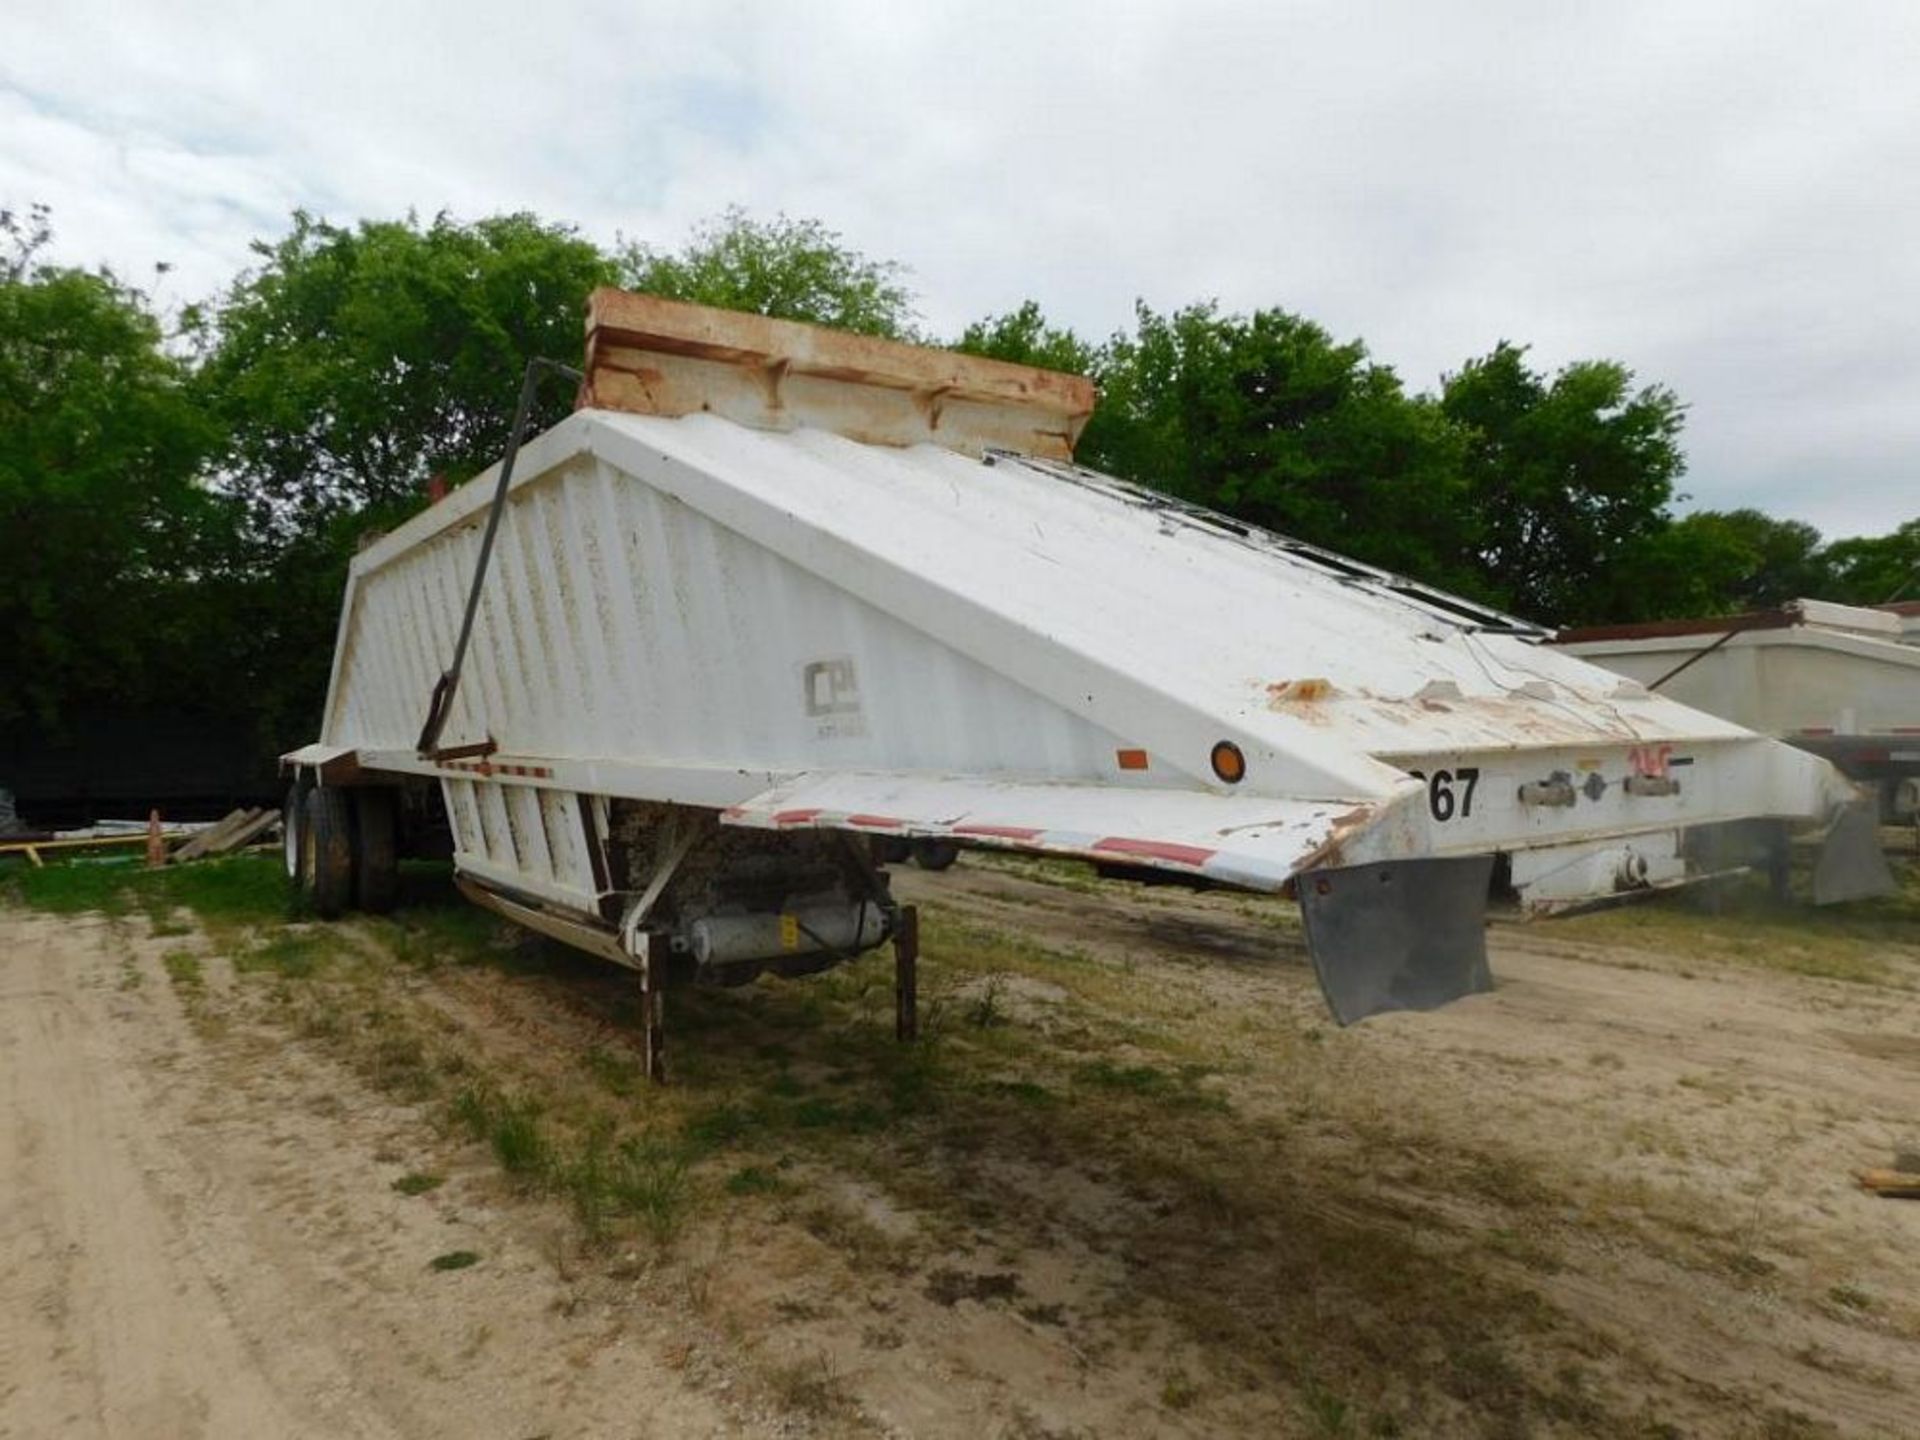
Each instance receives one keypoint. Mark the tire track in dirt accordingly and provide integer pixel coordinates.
(202, 1240)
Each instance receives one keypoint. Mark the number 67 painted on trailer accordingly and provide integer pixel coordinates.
(1450, 792)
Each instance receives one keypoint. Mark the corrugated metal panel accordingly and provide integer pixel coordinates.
(623, 623)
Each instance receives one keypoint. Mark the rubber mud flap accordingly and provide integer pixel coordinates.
(1852, 866)
(1399, 935)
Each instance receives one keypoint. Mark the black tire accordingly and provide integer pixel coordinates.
(935, 854)
(326, 847)
(292, 820)
(376, 849)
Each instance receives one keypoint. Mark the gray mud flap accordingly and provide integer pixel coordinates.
(1400, 935)
(1852, 865)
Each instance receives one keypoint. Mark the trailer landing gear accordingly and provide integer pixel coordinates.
(653, 1010)
(652, 967)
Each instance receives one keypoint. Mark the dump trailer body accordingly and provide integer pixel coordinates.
(1841, 681)
(799, 614)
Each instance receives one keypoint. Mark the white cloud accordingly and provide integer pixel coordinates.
(1718, 194)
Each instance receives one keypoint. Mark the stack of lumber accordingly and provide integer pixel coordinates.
(238, 828)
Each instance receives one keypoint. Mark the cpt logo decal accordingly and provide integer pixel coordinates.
(832, 695)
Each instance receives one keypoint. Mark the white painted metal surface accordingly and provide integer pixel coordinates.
(1834, 670)
(913, 640)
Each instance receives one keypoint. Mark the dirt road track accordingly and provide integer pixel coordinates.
(184, 1253)
(199, 1234)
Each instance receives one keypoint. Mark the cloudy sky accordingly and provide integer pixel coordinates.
(1726, 196)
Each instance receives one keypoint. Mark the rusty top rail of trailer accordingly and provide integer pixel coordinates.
(653, 356)
(1865, 619)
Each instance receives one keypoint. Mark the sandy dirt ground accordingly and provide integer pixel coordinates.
(1639, 1148)
(200, 1238)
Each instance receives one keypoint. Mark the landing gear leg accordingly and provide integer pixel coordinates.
(653, 1012)
(1779, 863)
(906, 975)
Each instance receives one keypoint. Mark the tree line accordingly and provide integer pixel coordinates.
(180, 492)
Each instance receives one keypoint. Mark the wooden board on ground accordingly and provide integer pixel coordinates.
(206, 840)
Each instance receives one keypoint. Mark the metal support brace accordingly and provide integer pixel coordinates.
(444, 689)
(906, 974)
(681, 836)
(653, 1013)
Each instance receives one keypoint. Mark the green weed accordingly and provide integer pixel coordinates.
(753, 1180)
(645, 1179)
(518, 1141)
(295, 954)
(183, 968)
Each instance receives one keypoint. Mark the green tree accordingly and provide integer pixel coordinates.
(1695, 565)
(108, 543)
(353, 362)
(1875, 570)
(1567, 478)
(791, 269)
(1781, 560)
(1267, 418)
(350, 365)
(1024, 337)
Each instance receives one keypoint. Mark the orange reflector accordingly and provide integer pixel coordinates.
(1228, 763)
(1131, 759)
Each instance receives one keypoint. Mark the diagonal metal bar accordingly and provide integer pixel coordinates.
(448, 685)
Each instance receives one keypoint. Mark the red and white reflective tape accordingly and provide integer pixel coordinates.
(493, 767)
(1168, 853)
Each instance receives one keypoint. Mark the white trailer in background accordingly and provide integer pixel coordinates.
(1842, 681)
(773, 592)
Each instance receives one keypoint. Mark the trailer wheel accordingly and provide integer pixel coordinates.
(935, 854)
(326, 850)
(376, 853)
(292, 827)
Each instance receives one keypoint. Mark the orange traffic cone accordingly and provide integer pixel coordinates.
(156, 847)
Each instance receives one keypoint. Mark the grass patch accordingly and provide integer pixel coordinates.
(1178, 1392)
(1074, 875)
(227, 891)
(183, 969)
(810, 1387)
(435, 924)
(510, 1127)
(1741, 923)
(645, 1179)
(755, 1180)
(1178, 1088)
(294, 954)
(417, 1182)
(950, 1287)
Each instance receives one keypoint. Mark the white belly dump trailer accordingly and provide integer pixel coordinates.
(1842, 681)
(773, 592)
